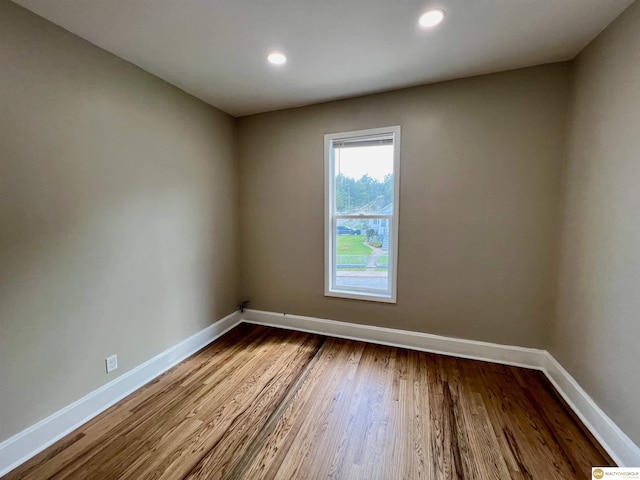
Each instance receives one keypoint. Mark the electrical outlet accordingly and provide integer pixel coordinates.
(112, 363)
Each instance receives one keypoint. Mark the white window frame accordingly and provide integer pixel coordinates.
(331, 218)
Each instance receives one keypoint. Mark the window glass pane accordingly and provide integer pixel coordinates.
(364, 179)
(362, 253)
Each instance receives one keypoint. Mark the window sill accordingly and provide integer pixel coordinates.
(370, 297)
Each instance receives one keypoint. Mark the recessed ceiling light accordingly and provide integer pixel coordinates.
(431, 18)
(277, 58)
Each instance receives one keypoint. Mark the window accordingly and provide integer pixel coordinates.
(361, 213)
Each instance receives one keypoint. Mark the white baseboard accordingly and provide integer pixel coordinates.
(24, 445)
(619, 446)
(426, 342)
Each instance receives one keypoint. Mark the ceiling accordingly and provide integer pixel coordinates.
(216, 49)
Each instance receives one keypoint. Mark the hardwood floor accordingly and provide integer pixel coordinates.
(268, 403)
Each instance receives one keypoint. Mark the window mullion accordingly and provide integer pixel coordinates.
(339, 216)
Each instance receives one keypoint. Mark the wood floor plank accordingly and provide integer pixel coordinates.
(564, 426)
(276, 433)
(253, 410)
(484, 444)
(263, 403)
(314, 444)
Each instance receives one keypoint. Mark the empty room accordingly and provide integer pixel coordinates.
(295, 239)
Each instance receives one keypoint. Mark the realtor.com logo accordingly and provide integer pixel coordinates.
(615, 472)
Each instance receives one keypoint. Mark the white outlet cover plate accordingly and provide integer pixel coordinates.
(112, 363)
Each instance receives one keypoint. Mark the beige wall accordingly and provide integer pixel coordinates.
(479, 195)
(118, 217)
(597, 332)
